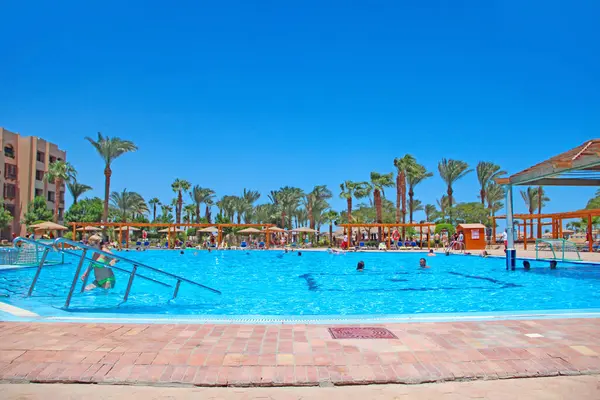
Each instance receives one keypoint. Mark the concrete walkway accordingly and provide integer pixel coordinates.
(295, 355)
(576, 387)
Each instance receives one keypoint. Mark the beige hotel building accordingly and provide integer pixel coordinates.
(24, 161)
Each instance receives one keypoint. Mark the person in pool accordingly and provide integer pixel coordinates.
(423, 263)
(104, 276)
(431, 253)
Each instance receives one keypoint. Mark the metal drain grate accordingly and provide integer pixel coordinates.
(361, 333)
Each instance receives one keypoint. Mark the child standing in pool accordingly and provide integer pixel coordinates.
(103, 274)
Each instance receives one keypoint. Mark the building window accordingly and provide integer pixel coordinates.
(39, 175)
(52, 159)
(60, 213)
(10, 191)
(51, 196)
(39, 192)
(9, 151)
(62, 197)
(10, 208)
(10, 171)
(41, 157)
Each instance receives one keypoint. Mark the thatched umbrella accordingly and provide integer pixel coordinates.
(89, 229)
(275, 229)
(210, 229)
(250, 230)
(49, 226)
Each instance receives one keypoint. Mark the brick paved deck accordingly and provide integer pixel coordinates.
(273, 355)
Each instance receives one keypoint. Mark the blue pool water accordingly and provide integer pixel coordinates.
(317, 283)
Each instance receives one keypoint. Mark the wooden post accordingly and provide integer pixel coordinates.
(220, 233)
(590, 235)
(421, 237)
(267, 234)
(493, 238)
(389, 239)
(525, 233)
(120, 238)
(428, 237)
(75, 232)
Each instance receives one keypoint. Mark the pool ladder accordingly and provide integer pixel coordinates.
(64, 246)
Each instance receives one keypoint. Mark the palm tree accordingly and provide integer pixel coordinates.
(165, 213)
(154, 202)
(190, 211)
(486, 173)
(316, 202)
(330, 217)
(451, 171)
(380, 182)
(201, 195)
(59, 172)
(288, 199)
(347, 192)
(77, 189)
(494, 194)
(414, 176)
(403, 165)
(443, 205)
(430, 211)
(110, 149)
(180, 186)
(534, 200)
(126, 205)
(249, 197)
(227, 207)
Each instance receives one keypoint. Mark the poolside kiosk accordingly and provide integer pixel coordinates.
(577, 167)
(474, 235)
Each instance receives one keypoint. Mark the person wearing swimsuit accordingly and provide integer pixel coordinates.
(104, 276)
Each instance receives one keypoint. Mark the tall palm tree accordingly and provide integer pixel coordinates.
(414, 176)
(199, 196)
(403, 165)
(451, 171)
(494, 194)
(430, 211)
(347, 192)
(443, 205)
(330, 217)
(110, 149)
(154, 202)
(380, 182)
(249, 197)
(166, 213)
(180, 186)
(126, 205)
(190, 211)
(486, 173)
(288, 199)
(315, 203)
(59, 172)
(77, 189)
(534, 199)
(227, 207)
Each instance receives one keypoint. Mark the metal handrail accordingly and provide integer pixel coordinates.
(134, 263)
(453, 243)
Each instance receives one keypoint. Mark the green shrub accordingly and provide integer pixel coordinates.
(449, 227)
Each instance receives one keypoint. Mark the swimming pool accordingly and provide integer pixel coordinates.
(271, 283)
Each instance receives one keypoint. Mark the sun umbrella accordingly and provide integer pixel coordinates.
(49, 226)
(88, 229)
(250, 230)
(275, 229)
(167, 230)
(305, 229)
(127, 228)
(210, 229)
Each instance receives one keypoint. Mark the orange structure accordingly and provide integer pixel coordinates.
(389, 227)
(474, 235)
(556, 223)
(171, 227)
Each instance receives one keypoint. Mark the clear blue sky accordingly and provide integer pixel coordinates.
(235, 94)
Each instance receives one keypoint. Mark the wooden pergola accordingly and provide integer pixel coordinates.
(172, 228)
(579, 166)
(389, 227)
(556, 223)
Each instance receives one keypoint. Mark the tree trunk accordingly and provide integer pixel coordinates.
(154, 210)
(330, 234)
(311, 220)
(403, 195)
(207, 213)
(411, 195)
(197, 213)
(482, 195)
(450, 192)
(349, 203)
(179, 206)
(56, 198)
(377, 197)
(398, 198)
(283, 219)
(107, 174)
